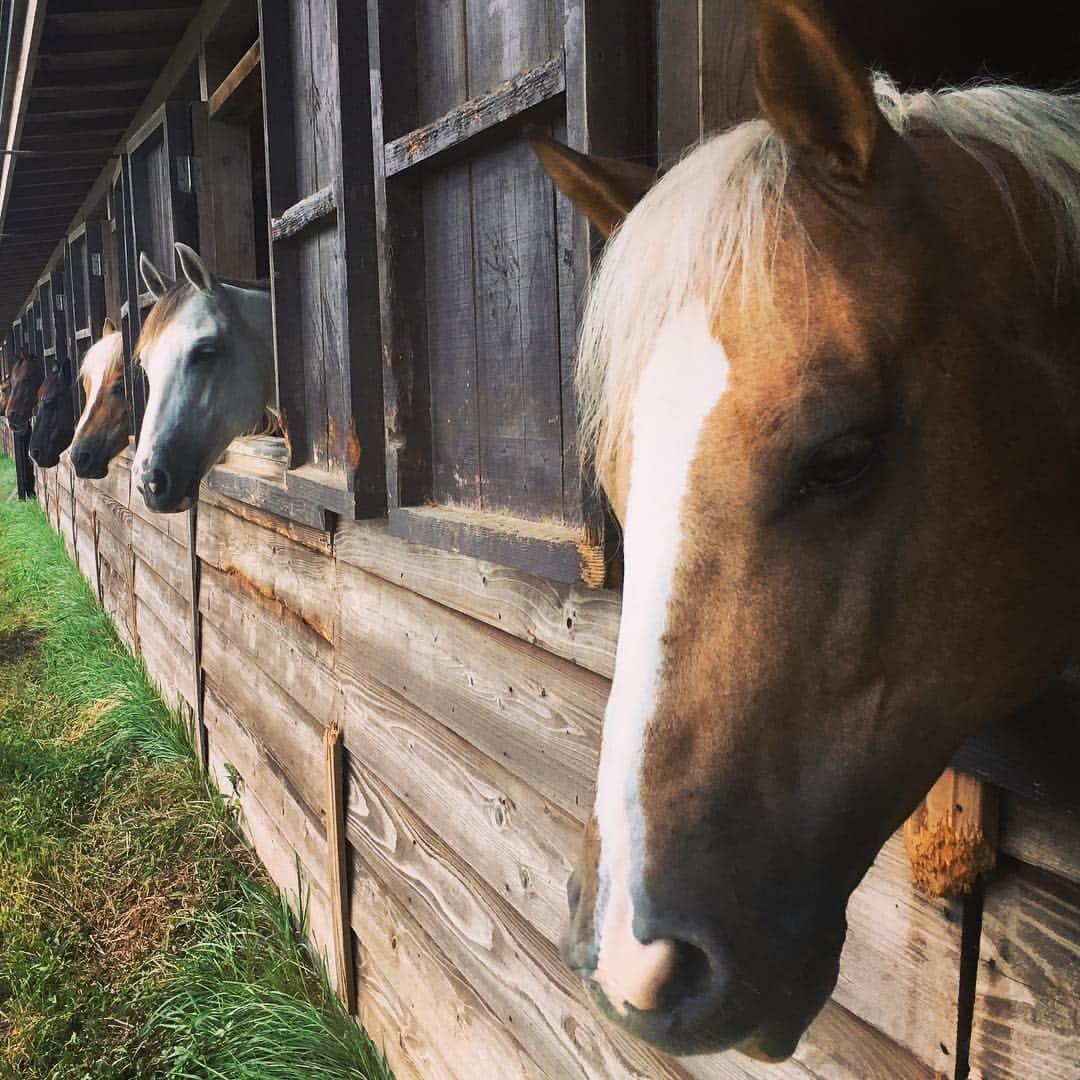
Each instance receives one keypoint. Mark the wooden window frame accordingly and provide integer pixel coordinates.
(333, 222)
(84, 277)
(600, 76)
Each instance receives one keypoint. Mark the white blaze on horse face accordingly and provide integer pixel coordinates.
(680, 386)
(176, 397)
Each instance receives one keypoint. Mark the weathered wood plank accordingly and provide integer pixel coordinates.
(1041, 837)
(513, 968)
(900, 968)
(571, 621)
(560, 552)
(1027, 1003)
(537, 714)
(240, 92)
(414, 1002)
(117, 600)
(451, 319)
(166, 556)
(282, 838)
(166, 658)
(266, 495)
(456, 127)
(338, 875)
(171, 608)
(278, 567)
(295, 657)
(316, 208)
(290, 735)
(518, 842)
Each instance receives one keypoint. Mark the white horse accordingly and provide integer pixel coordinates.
(208, 353)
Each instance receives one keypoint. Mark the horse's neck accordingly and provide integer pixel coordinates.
(255, 309)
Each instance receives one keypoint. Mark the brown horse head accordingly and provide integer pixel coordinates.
(26, 379)
(828, 379)
(102, 431)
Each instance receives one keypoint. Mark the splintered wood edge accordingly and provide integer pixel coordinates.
(951, 838)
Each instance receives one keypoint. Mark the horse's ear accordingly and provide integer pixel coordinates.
(814, 89)
(194, 268)
(108, 327)
(152, 277)
(605, 190)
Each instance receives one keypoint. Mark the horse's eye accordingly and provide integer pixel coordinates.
(203, 354)
(839, 463)
(117, 389)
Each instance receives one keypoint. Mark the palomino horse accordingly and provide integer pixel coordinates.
(54, 419)
(207, 350)
(828, 378)
(26, 378)
(102, 431)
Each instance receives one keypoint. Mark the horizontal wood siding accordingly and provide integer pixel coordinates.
(470, 697)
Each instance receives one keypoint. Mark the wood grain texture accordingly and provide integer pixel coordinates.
(286, 838)
(1027, 1004)
(479, 114)
(290, 736)
(311, 210)
(537, 714)
(900, 967)
(570, 621)
(276, 566)
(415, 1003)
(514, 969)
(518, 842)
(1042, 837)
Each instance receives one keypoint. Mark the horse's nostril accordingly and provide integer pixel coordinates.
(691, 975)
(156, 482)
(34, 454)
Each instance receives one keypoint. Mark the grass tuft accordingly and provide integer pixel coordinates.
(138, 935)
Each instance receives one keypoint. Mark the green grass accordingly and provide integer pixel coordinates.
(138, 937)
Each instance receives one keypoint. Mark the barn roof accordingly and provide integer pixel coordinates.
(75, 76)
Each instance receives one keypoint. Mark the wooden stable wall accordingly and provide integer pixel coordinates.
(470, 699)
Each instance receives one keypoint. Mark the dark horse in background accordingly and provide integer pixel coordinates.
(54, 418)
(828, 378)
(27, 376)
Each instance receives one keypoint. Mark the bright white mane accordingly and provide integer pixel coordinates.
(710, 222)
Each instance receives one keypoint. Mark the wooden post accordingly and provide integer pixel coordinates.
(344, 975)
(952, 837)
(202, 747)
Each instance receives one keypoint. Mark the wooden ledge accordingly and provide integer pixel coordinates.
(548, 550)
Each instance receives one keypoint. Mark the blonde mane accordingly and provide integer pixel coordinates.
(710, 223)
(104, 359)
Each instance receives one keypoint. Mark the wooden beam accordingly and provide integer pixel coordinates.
(240, 90)
(467, 120)
(304, 214)
(336, 849)
(951, 839)
(556, 552)
(33, 27)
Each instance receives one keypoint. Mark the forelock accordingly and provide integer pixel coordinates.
(161, 316)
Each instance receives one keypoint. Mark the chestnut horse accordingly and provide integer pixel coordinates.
(829, 380)
(26, 378)
(102, 431)
(208, 353)
(54, 419)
